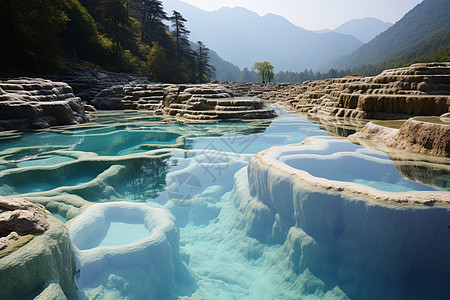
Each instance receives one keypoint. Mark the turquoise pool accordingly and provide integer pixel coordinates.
(190, 170)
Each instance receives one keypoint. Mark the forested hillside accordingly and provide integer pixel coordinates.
(423, 34)
(118, 35)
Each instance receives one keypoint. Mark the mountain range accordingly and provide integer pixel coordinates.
(243, 37)
(423, 34)
(363, 29)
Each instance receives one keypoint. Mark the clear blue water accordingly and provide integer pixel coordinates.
(54, 160)
(120, 233)
(194, 181)
(373, 168)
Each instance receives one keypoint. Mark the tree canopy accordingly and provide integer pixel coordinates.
(265, 70)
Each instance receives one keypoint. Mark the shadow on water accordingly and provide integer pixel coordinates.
(339, 127)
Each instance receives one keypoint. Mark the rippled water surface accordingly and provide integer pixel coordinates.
(189, 169)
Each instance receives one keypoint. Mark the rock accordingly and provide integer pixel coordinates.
(374, 132)
(23, 222)
(21, 217)
(445, 117)
(426, 135)
(52, 292)
(200, 103)
(87, 83)
(255, 89)
(8, 240)
(132, 96)
(213, 102)
(421, 89)
(423, 137)
(38, 103)
(30, 264)
(18, 203)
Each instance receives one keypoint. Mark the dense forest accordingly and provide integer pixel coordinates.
(117, 35)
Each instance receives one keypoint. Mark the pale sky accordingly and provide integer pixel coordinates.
(318, 14)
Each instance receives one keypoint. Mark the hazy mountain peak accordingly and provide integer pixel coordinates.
(235, 9)
(243, 37)
(364, 29)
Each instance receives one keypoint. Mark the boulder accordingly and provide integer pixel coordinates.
(21, 217)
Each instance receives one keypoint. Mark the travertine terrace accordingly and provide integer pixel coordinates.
(421, 89)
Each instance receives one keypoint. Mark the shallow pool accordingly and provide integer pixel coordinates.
(188, 169)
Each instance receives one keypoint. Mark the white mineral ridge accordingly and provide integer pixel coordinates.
(370, 243)
(147, 267)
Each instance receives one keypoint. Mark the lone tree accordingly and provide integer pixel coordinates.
(265, 70)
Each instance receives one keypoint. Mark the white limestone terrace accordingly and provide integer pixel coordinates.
(124, 246)
(38, 103)
(422, 89)
(362, 230)
(192, 102)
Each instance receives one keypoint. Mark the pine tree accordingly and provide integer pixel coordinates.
(181, 34)
(204, 69)
(153, 15)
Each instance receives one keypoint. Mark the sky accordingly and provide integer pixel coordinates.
(318, 14)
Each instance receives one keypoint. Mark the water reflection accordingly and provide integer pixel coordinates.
(434, 173)
(144, 179)
(339, 127)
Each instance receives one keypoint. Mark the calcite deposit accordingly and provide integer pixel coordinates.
(346, 219)
(426, 135)
(207, 102)
(423, 137)
(148, 267)
(38, 103)
(36, 255)
(255, 89)
(421, 89)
